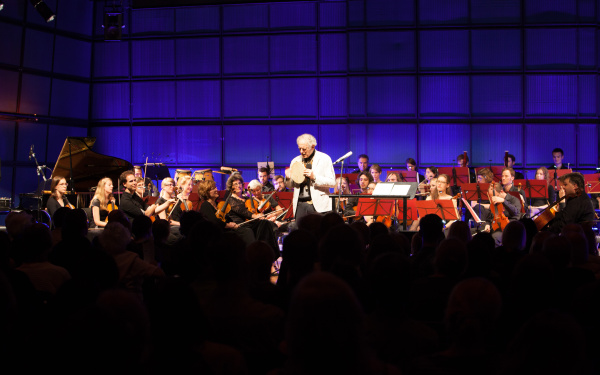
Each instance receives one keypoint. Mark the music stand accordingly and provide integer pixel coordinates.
(497, 172)
(559, 173)
(285, 199)
(533, 188)
(404, 190)
(158, 171)
(443, 208)
(592, 183)
(407, 213)
(458, 175)
(374, 207)
(475, 192)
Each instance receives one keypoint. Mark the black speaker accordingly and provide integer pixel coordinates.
(113, 25)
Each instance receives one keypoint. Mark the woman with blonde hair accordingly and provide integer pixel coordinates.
(103, 201)
(167, 196)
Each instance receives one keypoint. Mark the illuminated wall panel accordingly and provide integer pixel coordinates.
(390, 51)
(153, 57)
(496, 95)
(356, 52)
(547, 137)
(245, 17)
(70, 99)
(496, 49)
(333, 97)
(444, 96)
(335, 143)
(433, 12)
(110, 101)
(150, 141)
(283, 143)
(198, 99)
(383, 12)
(295, 53)
(38, 49)
(153, 99)
(333, 56)
(440, 144)
(357, 96)
(114, 141)
(72, 56)
(493, 140)
(391, 96)
(246, 98)
(332, 15)
(153, 21)
(551, 49)
(587, 145)
(444, 50)
(202, 145)
(391, 143)
(189, 62)
(294, 97)
(111, 59)
(587, 99)
(543, 11)
(198, 19)
(246, 144)
(495, 11)
(551, 95)
(299, 15)
(587, 51)
(246, 55)
(74, 17)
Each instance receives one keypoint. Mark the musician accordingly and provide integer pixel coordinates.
(167, 197)
(425, 185)
(208, 192)
(411, 165)
(459, 160)
(131, 204)
(280, 184)
(58, 197)
(261, 200)
(362, 163)
(393, 177)
(558, 156)
(540, 204)
(343, 184)
(508, 176)
(510, 204)
(440, 190)
(312, 195)
(149, 187)
(376, 173)
(263, 177)
(578, 207)
(101, 200)
(364, 180)
(183, 204)
(510, 163)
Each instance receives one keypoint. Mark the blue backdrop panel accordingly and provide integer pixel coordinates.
(495, 11)
(391, 96)
(247, 144)
(547, 137)
(245, 17)
(153, 57)
(202, 145)
(444, 50)
(110, 101)
(335, 143)
(496, 49)
(35, 18)
(111, 59)
(75, 16)
(356, 52)
(390, 51)
(332, 15)
(283, 143)
(198, 99)
(551, 95)
(72, 57)
(246, 55)
(384, 12)
(113, 141)
(99, 21)
(35, 94)
(587, 95)
(587, 10)
(357, 141)
(551, 48)
(153, 21)
(294, 97)
(587, 48)
(6, 183)
(246, 98)
(357, 98)
(443, 12)
(57, 135)
(10, 47)
(444, 96)
(440, 144)
(197, 56)
(150, 141)
(587, 145)
(7, 140)
(296, 53)
(490, 141)
(333, 53)
(496, 95)
(153, 99)
(34, 134)
(542, 11)
(391, 143)
(198, 19)
(70, 99)
(8, 94)
(356, 13)
(299, 15)
(26, 181)
(38, 49)
(333, 97)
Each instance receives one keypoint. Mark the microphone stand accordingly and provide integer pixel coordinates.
(337, 209)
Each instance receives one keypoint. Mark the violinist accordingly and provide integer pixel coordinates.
(208, 192)
(577, 208)
(166, 198)
(411, 165)
(364, 179)
(102, 201)
(425, 185)
(540, 204)
(131, 204)
(343, 184)
(58, 197)
(149, 188)
(182, 204)
(264, 204)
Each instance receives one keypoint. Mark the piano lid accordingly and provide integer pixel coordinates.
(89, 167)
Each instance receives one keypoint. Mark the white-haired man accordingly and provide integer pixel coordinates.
(312, 195)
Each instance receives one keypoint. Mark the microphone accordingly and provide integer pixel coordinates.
(30, 152)
(343, 157)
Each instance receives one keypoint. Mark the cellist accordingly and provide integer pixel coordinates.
(508, 204)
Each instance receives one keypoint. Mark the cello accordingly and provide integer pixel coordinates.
(500, 220)
(545, 217)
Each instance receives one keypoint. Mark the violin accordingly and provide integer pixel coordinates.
(546, 216)
(111, 206)
(250, 204)
(500, 220)
(223, 209)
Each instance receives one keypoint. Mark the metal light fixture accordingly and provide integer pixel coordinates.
(113, 25)
(1, 4)
(44, 10)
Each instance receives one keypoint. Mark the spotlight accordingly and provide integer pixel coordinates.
(113, 25)
(1, 4)
(44, 10)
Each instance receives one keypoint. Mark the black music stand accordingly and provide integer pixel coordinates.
(443, 208)
(475, 192)
(592, 183)
(533, 188)
(458, 175)
(158, 171)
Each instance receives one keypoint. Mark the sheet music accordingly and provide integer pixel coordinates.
(400, 189)
(383, 188)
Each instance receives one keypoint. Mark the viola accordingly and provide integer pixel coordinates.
(500, 220)
(223, 209)
(546, 216)
(111, 206)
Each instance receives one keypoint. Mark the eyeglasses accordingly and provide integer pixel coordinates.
(168, 185)
(63, 184)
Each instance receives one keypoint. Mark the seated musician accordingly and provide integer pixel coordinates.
(364, 179)
(208, 192)
(280, 184)
(510, 163)
(392, 177)
(149, 187)
(101, 201)
(540, 204)
(508, 176)
(511, 206)
(441, 191)
(166, 198)
(263, 177)
(183, 204)
(58, 197)
(459, 160)
(376, 173)
(363, 163)
(411, 165)
(578, 208)
(265, 204)
(131, 204)
(484, 176)
(343, 184)
(425, 185)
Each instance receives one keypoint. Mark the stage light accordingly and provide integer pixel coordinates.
(1, 4)
(44, 10)
(113, 25)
